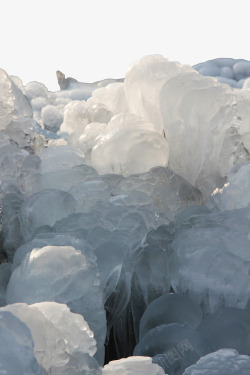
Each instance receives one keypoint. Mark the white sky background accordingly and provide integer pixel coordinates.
(95, 39)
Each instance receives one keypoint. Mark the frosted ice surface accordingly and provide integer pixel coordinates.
(235, 193)
(98, 112)
(214, 139)
(51, 117)
(16, 353)
(44, 208)
(62, 179)
(22, 107)
(173, 346)
(243, 107)
(210, 259)
(64, 275)
(83, 141)
(89, 193)
(126, 145)
(35, 89)
(132, 366)
(112, 97)
(143, 83)
(222, 362)
(227, 328)
(54, 342)
(28, 174)
(170, 308)
(169, 192)
(75, 116)
(59, 157)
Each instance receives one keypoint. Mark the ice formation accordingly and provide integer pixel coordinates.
(58, 347)
(125, 222)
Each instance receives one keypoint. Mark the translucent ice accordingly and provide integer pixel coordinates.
(64, 275)
(126, 144)
(210, 259)
(222, 362)
(170, 308)
(44, 208)
(75, 116)
(173, 346)
(16, 352)
(228, 328)
(235, 193)
(55, 343)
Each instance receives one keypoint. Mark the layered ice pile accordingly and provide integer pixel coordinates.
(125, 222)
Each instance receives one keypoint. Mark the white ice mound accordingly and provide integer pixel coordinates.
(222, 362)
(198, 115)
(133, 147)
(64, 275)
(210, 259)
(17, 347)
(58, 346)
(132, 366)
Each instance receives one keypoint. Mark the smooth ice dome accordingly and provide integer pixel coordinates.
(133, 366)
(17, 347)
(222, 362)
(170, 308)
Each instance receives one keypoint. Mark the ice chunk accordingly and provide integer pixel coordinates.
(243, 106)
(143, 83)
(51, 117)
(118, 152)
(210, 259)
(170, 308)
(75, 116)
(235, 193)
(169, 192)
(99, 112)
(173, 346)
(64, 275)
(35, 89)
(184, 100)
(44, 208)
(222, 362)
(228, 328)
(59, 157)
(112, 97)
(89, 193)
(132, 366)
(54, 342)
(84, 141)
(16, 353)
